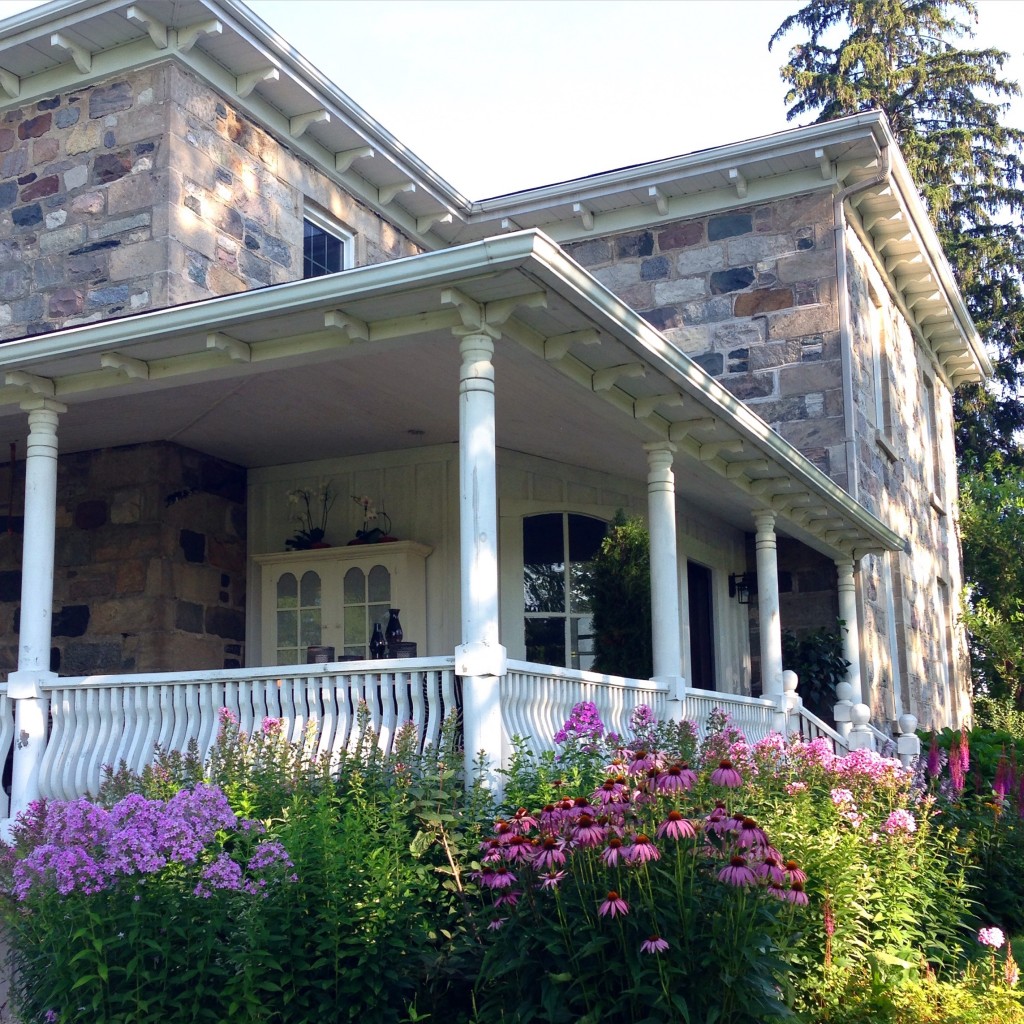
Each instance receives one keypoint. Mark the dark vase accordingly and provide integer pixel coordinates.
(393, 634)
(378, 645)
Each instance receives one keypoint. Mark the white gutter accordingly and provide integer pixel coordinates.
(845, 327)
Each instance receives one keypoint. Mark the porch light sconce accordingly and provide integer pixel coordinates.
(741, 586)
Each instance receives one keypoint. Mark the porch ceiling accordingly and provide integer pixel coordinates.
(366, 361)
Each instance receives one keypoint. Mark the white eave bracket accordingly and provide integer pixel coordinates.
(237, 351)
(79, 54)
(424, 224)
(386, 194)
(44, 387)
(10, 85)
(585, 215)
(188, 36)
(157, 29)
(244, 84)
(738, 182)
(350, 328)
(660, 200)
(300, 122)
(344, 160)
(134, 369)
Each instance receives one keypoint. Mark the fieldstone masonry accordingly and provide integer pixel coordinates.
(150, 564)
(148, 191)
(750, 295)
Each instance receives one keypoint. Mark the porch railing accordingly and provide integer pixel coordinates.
(106, 720)
(755, 716)
(536, 700)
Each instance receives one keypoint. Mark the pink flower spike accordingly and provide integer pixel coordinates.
(726, 775)
(614, 904)
(655, 944)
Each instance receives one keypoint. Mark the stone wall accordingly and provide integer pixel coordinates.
(150, 563)
(750, 295)
(149, 190)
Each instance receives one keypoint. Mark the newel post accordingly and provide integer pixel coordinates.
(25, 686)
(480, 659)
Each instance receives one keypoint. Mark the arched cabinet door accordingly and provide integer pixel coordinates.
(333, 596)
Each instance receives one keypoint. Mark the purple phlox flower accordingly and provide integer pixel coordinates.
(992, 937)
(226, 717)
(584, 722)
(271, 726)
(675, 826)
(770, 869)
(641, 850)
(222, 873)
(550, 853)
(613, 905)
(726, 775)
(642, 720)
(678, 776)
(792, 788)
(795, 894)
(899, 821)
(794, 872)
(736, 872)
(610, 791)
(266, 855)
(587, 832)
(842, 797)
(854, 818)
(655, 944)
(551, 879)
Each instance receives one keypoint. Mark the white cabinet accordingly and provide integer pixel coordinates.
(333, 596)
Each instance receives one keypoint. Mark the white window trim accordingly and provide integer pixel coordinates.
(323, 220)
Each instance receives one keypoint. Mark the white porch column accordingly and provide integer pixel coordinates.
(480, 659)
(847, 587)
(661, 515)
(25, 685)
(768, 606)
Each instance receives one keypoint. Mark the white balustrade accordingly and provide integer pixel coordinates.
(104, 721)
(754, 716)
(537, 700)
(809, 727)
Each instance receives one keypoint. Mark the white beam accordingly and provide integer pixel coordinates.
(660, 199)
(737, 180)
(824, 164)
(586, 216)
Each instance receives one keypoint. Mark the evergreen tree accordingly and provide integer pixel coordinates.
(945, 105)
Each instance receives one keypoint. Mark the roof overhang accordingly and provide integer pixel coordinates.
(70, 43)
(344, 364)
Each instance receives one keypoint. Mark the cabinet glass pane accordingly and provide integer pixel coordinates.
(309, 622)
(287, 591)
(355, 628)
(287, 655)
(287, 628)
(309, 594)
(379, 590)
(354, 589)
(378, 613)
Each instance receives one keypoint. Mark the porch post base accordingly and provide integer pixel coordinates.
(482, 729)
(31, 711)
(676, 695)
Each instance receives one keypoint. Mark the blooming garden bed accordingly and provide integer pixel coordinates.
(623, 880)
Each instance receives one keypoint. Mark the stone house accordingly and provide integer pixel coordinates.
(221, 281)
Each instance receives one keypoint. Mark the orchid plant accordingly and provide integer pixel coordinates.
(311, 511)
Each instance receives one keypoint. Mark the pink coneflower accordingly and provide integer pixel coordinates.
(496, 924)
(675, 826)
(507, 899)
(614, 904)
(493, 850)
(737, 872)
(550, 816)
(523, 820)
(795, 894)
(726, 775)
(642, 850)
(496, 878)
(582, 805)
(676, 777)
(608, 792)
(518, 849)
(550, 853)
(550, 879)
(655, 944)
(613, 852)
(750, 836)
(587, 831)
(794, 873)
(771, 870)
(643, 761)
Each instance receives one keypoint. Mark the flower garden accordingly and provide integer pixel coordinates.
(639, 879)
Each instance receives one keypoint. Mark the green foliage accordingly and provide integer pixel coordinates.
(817, 659)
(620, 600)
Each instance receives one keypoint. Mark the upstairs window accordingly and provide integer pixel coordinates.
(326, 246)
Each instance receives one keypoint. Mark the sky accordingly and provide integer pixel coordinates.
(502, 95)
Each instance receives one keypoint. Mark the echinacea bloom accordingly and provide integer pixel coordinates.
(655, 944)
(518, 848)
(737, 872)
(676, 777)
(993, 937)
(614, 904)
(795, 894)
(613, 852)
(642, 850)
(551, 879)
(750, 836)
(643, 761)
(609, 791)
(587, 831)
(496, 924)
(717, 821)
(726, 775)
(550, 853)
(509, 898)
(771, 870)
(675, 826)
(794, 873)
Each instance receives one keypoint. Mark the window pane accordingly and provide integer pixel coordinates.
(309, 622)
(380, 585)
(582, 642)
(355, 587)
(355, 628)
(287, 591)
(287, 628)
(543, 563)
(310, 590)
(545, 641)
(322, 252)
